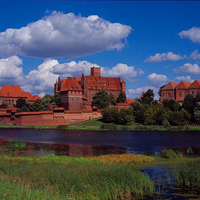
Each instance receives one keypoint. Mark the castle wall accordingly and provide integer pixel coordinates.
(48, 118)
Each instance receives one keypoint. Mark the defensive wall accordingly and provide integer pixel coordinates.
(46, 118)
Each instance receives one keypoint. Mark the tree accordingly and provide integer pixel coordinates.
(100, 99)
(121, 98)
(57, 99)
(171, 104)
(148, 97)
(110, 114)
(112, 99)
(124, 117)
(3, 105)
(38, 106)
(189, 104)
(21, 102)
(46, 100)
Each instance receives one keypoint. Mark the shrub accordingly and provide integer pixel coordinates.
(165, 123)
(62, 126)
(170, 154)
(109, 126)
(16, 144)
(189, 150)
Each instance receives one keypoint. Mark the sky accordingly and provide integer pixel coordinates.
(146, 43)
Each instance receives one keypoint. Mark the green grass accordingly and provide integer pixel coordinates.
(76, 178)
(171, 154)
(188, 173)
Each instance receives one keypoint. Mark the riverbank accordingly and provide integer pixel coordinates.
(99, 125)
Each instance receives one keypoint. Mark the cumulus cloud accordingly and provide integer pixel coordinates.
(194, 55)
(64, 35)
(188, 68)
(136, 93)
(124, 71)
(193, 34)
(157, 79)
(10, 70)
(164, 56)
(183, 78)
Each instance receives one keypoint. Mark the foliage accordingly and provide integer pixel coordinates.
(3, 105)
(24, 109)
(124, 117)
(46, 100)
(189, 103)
(188, 173)
(57, 99)
(170, 154)
(121, 98)
(112, 99)
(171, 104)
(62, 127)
(110, 114)
(77, 178)
(165, 123)
(189, 150)
(100, 99)
(130, 159)
(16, 144)
(148, 97)
(38, 106)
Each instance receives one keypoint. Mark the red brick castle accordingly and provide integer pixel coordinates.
(77, 93)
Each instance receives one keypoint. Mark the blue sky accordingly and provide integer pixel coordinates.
(148, 44)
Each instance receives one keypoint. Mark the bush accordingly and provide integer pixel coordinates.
(62, 126)
(165, 123)
(16, 144)
(170, 154)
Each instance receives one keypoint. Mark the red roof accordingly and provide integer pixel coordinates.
(71, 84)
(129, 101)
(84, 97)
(183, 85)
(58, 108)
(180, 99)
(195, 84)
(78, 79)
(170, 86)
(142, 96)
(95, 82)
(11, 91)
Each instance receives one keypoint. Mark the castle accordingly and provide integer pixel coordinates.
(77, 93)
(178, 91)
(9, 94)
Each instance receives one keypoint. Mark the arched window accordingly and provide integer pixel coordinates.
(192, 93)
(168, 95)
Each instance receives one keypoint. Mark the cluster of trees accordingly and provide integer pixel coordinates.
(148, 111)
(102, 99)
(39, 104)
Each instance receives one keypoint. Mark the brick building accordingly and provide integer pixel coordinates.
(77, 93)
(178, 91)
(9, 94)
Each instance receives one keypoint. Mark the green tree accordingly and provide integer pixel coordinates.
(3, 105)
(189, 104)
(38, 106)
(112, 99)
(124, 117)
(148, 97)
(57, 99)
(100, 99)
(46, 100)
(171, 104)
(110, 114)
(121, 98)
(21, 102)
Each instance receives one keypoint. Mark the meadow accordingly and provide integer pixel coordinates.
(64, 177)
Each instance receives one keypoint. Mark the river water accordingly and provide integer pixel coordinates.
(87, 143)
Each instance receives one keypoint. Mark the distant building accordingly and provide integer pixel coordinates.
(178, 91)
(9, 94)
(77, 93)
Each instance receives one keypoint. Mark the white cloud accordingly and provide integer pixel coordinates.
(64, 35)
(164, 56)
(193, 34)
(157, 79)
(188, 68)
(136, 93)
(183, 78)
(194, 55)
(124, 71)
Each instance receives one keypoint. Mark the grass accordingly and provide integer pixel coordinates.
(171, 154)
(188, 173)
(76, 178)
(129, 159)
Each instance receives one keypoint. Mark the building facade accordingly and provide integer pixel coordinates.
(77, 93)
(178, 91)
(9, 94)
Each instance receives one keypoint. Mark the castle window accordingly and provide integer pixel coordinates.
(168, 95)
(192, 93)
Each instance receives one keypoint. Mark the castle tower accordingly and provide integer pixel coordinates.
(123, 84)
(96, 71)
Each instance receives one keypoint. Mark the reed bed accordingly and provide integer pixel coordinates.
(130, 159)
(76, 178)
(188, 173)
